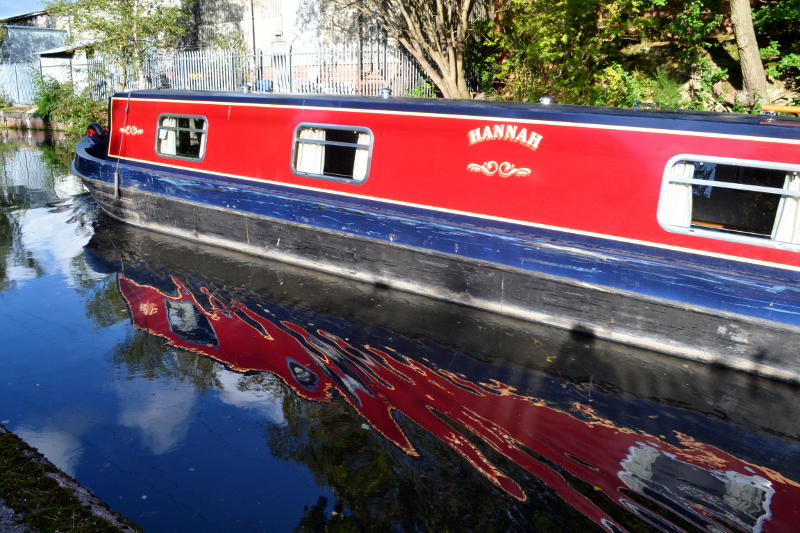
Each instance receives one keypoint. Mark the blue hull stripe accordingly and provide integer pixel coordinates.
(684, 278)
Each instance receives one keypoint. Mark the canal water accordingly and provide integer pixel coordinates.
(195, 389)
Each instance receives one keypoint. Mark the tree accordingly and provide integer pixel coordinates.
(435, 33)
(755, 80)
(123, 30)
(675, 53)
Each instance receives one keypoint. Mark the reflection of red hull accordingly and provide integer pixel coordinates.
(546, 442)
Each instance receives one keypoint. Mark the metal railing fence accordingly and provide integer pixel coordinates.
(357, 68)
(16, 82)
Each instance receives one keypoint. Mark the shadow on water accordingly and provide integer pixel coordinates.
(503, 424)
(406, 414)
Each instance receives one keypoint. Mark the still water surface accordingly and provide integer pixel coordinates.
(196, 389)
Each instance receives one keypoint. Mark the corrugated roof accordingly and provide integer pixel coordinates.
(24, 15)
(30, 28)
(68, 49)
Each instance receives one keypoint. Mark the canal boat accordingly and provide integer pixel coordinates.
(671, 231)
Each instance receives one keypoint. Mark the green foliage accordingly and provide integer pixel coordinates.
(691, 26)
(568, 49)
(125, 30)
(47, 94)
(149, 356)
(665, 90)
(231, 41)
(777, 16)
(482, 54)
(423, 89)
(781, 65)
(5, 101)
(28, 486)
(62, 103)
(779, 22)
(76, 110)
(617, 87)
(706, 75)
(675, 53)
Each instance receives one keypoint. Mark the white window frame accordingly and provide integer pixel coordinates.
(665, 197)
(176, 116)
(296, 141)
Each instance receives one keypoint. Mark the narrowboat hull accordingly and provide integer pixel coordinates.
(710, 307)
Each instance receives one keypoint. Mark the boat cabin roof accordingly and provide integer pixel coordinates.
(728, 123)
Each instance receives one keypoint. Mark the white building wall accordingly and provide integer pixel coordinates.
(277, 26)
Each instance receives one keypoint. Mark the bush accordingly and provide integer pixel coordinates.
(47, 92)
(63, 104)
(5, 101)
(666, 92)
(617, 87)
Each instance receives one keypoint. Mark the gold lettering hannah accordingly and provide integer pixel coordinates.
(505, 132)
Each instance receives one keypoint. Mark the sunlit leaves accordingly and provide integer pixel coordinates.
(615, 52)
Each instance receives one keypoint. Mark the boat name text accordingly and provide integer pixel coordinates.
(505, 132)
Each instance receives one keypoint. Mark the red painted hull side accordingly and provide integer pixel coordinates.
(587, 178)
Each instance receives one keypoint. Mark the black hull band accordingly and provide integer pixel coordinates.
(751, 345)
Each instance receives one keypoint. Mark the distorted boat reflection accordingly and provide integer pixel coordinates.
(508, 398)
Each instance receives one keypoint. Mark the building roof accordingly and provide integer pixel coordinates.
(30, 28)
(66, 51)
(22, 16)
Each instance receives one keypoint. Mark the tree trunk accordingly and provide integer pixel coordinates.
(755, 80)
(452, 84)
(446, 74)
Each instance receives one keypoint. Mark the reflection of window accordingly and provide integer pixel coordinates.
(335, 152)
(702, 496)
(730, 199)
(189, 323)
(304, 377)
(181, 137)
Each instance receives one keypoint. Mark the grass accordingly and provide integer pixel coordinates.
(48, 499)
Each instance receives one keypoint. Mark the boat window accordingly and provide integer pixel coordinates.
(340, 153)
(752, 202)
(181, 136)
